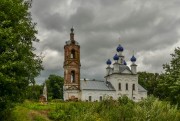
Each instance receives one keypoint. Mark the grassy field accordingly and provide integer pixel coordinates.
(107, 110)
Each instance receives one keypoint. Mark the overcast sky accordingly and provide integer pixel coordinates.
(149, 27)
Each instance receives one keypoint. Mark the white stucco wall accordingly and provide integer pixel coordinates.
(95, 94)
(115, 79)
(142, 95)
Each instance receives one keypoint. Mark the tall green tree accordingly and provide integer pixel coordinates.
(55, 87)
(18, 64)
(170, 83)
(149, 81)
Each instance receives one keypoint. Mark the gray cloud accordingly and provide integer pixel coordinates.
(150, 28)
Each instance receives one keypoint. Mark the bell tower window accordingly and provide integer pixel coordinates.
(72, 76)
(72, 53)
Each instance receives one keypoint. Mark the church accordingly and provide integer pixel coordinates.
(119, 78)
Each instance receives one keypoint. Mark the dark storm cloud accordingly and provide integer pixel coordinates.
(51, 22)
(82, 17)
(55, 41)
(149, 27)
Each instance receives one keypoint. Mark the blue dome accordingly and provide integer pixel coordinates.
(116, 57)
(120, 48)
(133, 59)
(108, 62)
(125, 62)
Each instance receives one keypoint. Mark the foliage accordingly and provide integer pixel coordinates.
(55, 87)
(122, 109)
(24, 114)
(169, 84)
(165, 86)
(154, 110)
(20, 113)
(111, 110)
(33, 92)
(37, 106)
(18, 64)
(149, 81)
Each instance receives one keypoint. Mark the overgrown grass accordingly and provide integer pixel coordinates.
(124, 109)
(30, 111)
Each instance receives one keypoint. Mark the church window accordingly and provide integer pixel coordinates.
(119, 86)
(133, 87)
(90, 98)
(72, 76)
(126, 86)
(121, 60)
(100, 98)
(72, 53)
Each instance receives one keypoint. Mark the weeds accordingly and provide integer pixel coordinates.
(123, 109)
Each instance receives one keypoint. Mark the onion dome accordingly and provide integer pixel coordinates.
(133, 59)
(120, 48)
(125, 62)
(116, 57)
(108, 62)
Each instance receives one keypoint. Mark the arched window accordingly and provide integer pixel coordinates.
(90, 98)
(126, 86)
(122, 61)
(119, 86)
(133, 87)
(100, 98)
(72, 76)
(72, 53)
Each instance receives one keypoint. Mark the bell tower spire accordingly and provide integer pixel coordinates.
(72, 35)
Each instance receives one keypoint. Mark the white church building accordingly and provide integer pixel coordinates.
(119, 78)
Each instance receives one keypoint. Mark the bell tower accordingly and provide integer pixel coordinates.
(72, 69)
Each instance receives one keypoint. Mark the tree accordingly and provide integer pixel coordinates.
(170, 83)
(18, 64)
(149, 81)
(33, 92)
(55, 87)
